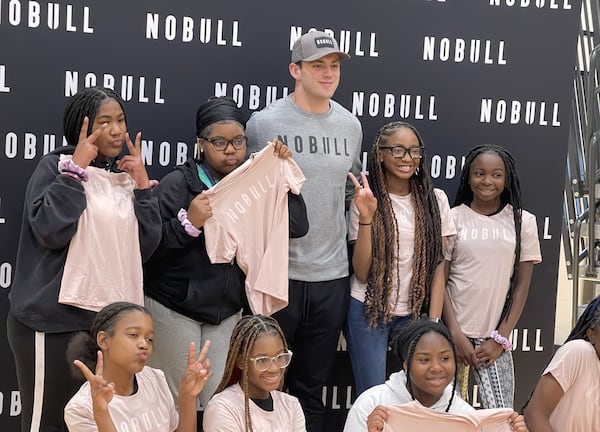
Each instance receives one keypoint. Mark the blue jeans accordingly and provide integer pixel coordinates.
(367, 346)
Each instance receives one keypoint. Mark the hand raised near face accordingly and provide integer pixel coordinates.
(280, 149)
(199, 210)
(86, 149)
(102, 391)
(365, 201)
(132, 163)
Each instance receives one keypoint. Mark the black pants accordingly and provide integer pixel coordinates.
(311, 323)
(43, 374)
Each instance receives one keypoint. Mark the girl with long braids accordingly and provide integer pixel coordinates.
(567, 396)
(248, 397)
(400, 224)
(489, 265)
(89, 221)
(428, 358)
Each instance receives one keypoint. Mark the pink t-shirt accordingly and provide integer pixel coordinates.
(481, 259)
(104, 262)
(150, 409)
(250, 222)
(415, 417)
(405, 216)
(225, 413)
(576, 368)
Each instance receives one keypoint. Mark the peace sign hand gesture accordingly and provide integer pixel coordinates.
(102, 391)
(365, 201)
(86, 150)
(132, 163)
(197, 372)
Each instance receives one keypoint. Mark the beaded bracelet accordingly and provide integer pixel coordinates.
(186, 224)
(68, 166)
(501, 340)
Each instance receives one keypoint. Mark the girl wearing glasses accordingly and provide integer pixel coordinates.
(190, 298)
(489, 265)
(400, 224)
(567, 396)
(248, 397)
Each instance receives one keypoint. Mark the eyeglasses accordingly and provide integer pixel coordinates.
(263, 363)
(400, 151)
(221, 144)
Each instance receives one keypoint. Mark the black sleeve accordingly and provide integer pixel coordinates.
(149, 223)
(54, 203)
(172, 194)
(298, 216)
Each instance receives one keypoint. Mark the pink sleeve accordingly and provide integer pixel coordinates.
(530, 243)
(568, 363)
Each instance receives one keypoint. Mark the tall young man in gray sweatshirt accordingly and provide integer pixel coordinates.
(325, 140)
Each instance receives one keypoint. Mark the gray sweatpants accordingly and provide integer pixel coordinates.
(173, 333)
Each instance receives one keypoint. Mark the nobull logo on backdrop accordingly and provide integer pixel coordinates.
(252, 96)
(350, 42)
(187, 29)
(539, 113)
(539, 4)
(458, 50)
(403, 106)
(29, 145)
(131, 88)
(54, 16)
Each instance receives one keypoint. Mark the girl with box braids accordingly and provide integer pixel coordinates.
(400, 223)
(489, 267)
(248, 395)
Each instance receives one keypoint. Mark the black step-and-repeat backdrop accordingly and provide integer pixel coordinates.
(464, 72)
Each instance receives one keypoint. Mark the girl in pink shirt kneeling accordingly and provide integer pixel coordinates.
(248, 398)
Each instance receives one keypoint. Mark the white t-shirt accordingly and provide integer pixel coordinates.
(150, 409)
(405, 216)
(250, 222)
(481, 259)
(225, 413)
(415, 417)
(576, 367)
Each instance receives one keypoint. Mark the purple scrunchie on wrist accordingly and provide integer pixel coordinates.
(186, 224)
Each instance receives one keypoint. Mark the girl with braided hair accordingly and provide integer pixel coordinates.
(248, 397)
(489, 265)
(567, 396)
(428, 358)
(400, 224)
(89, 221)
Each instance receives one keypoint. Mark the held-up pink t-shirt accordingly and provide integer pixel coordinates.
(104, 262)
(415, 417)
(250, 222)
